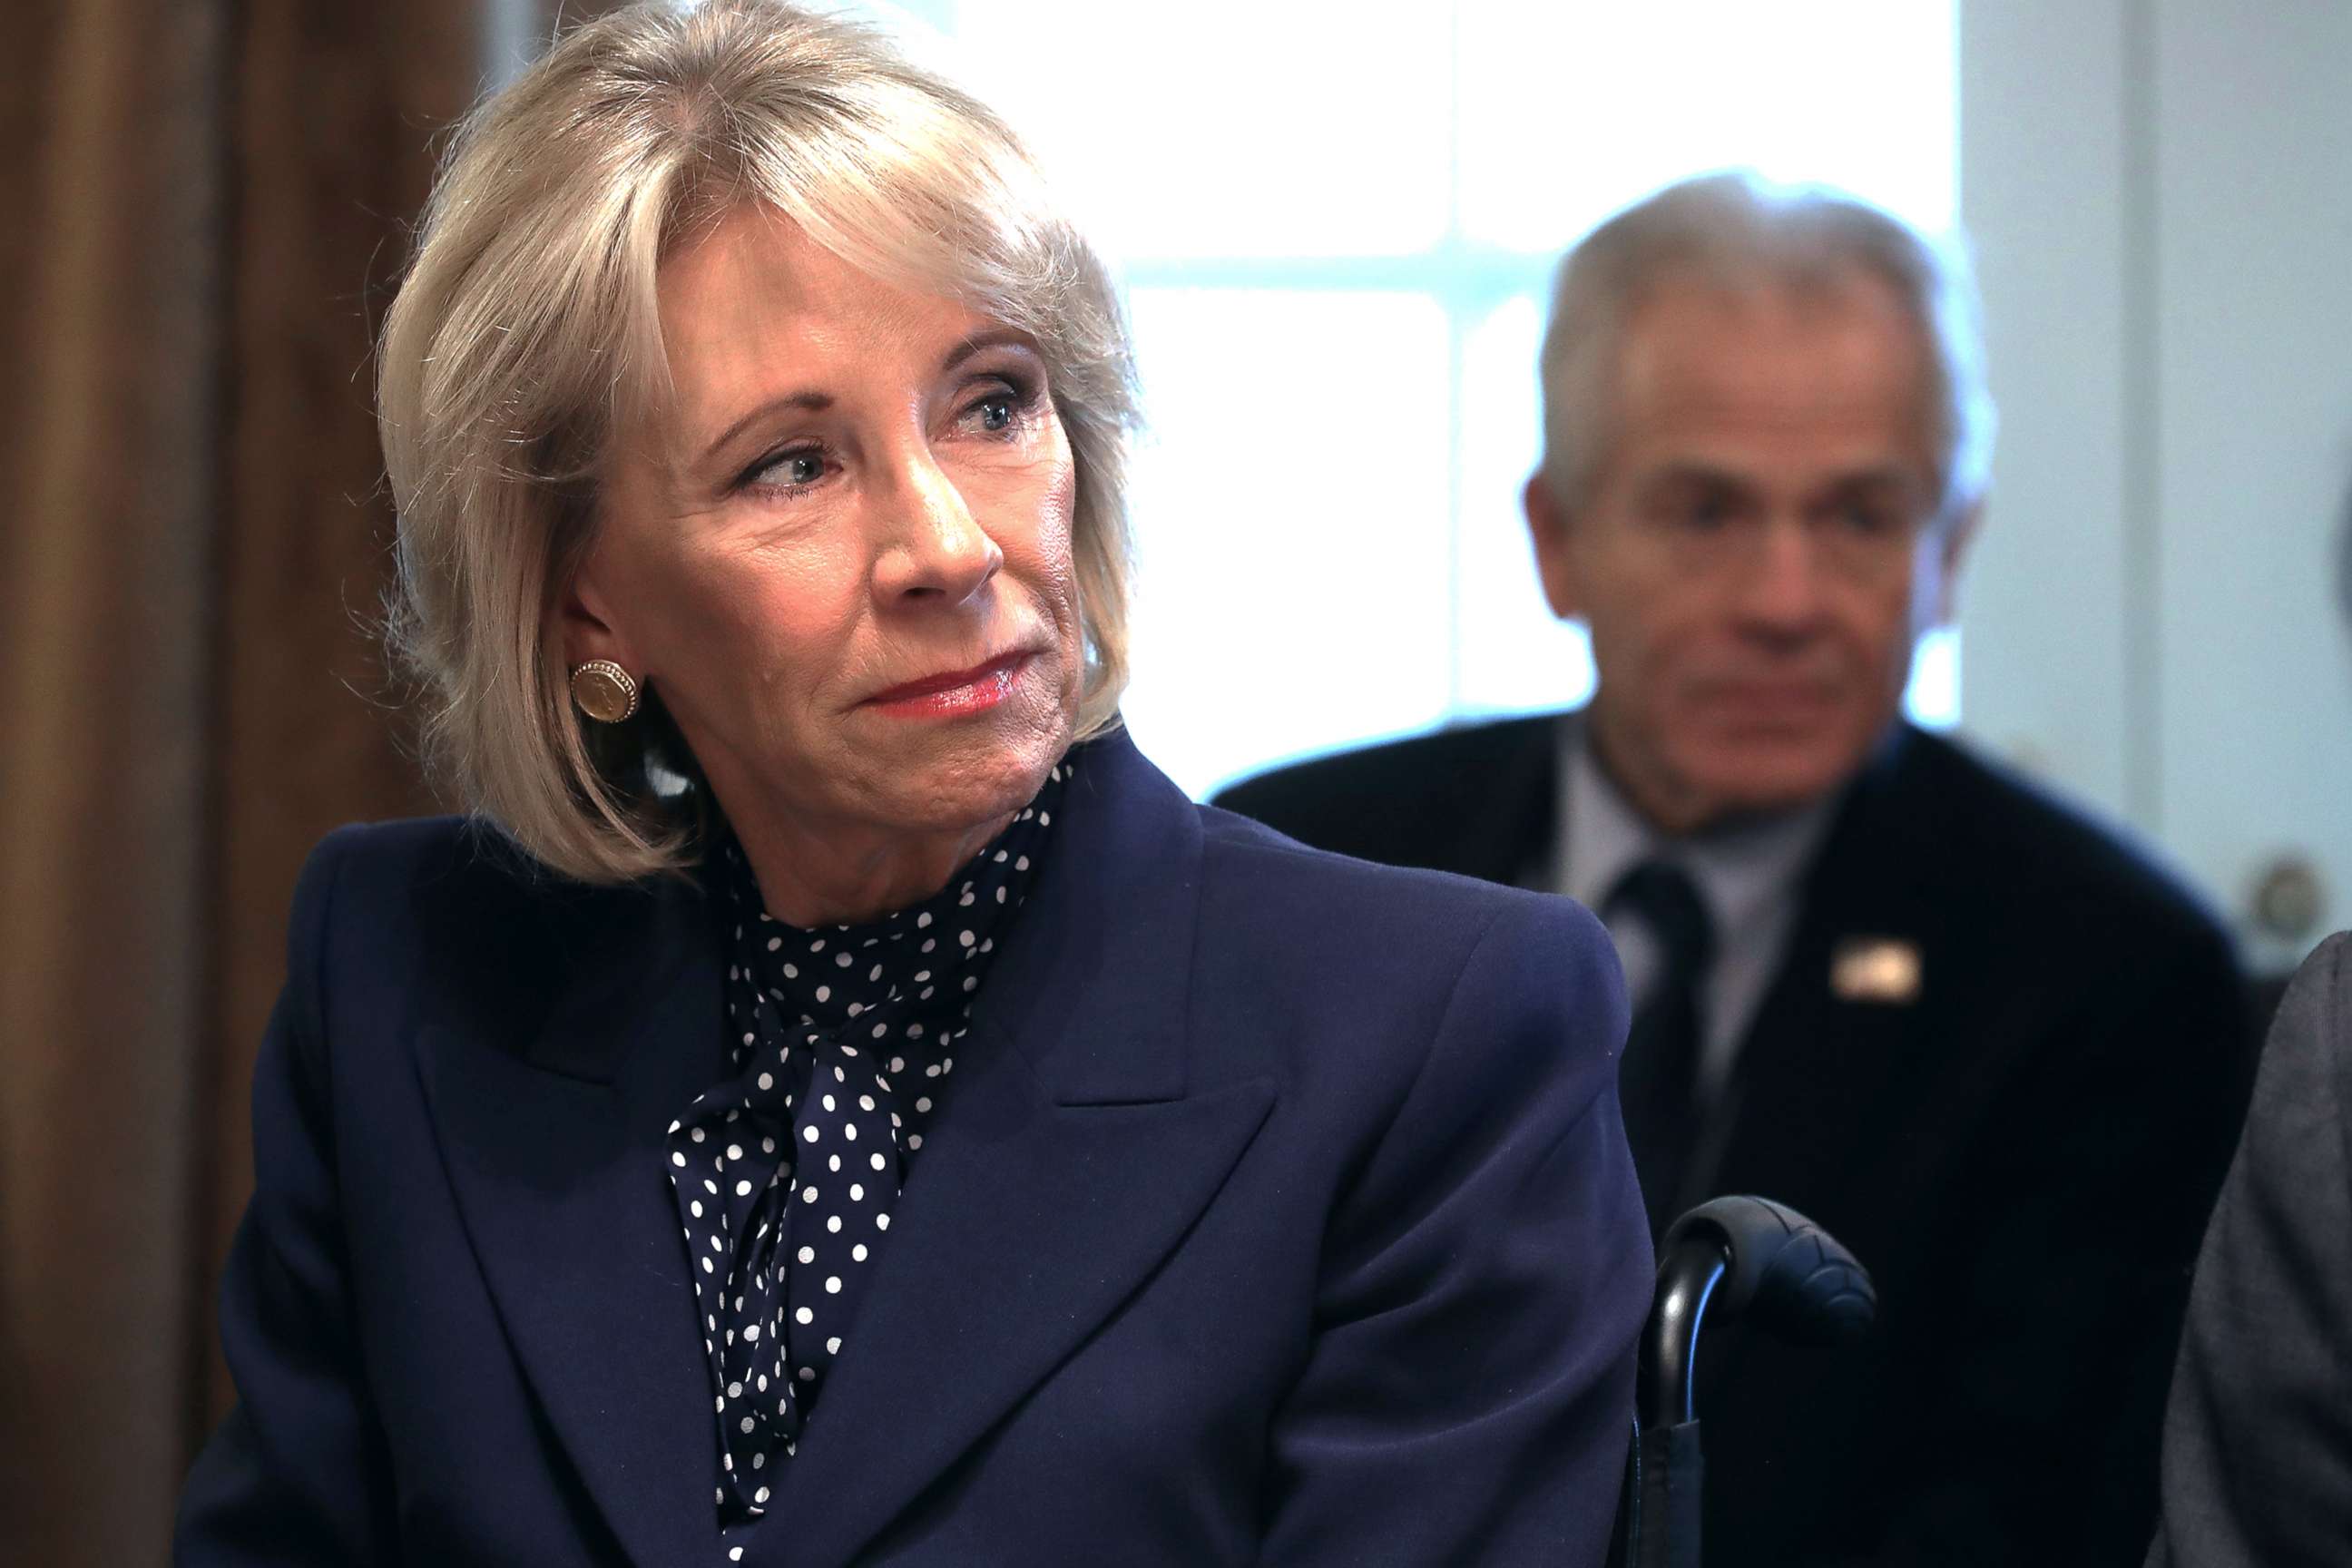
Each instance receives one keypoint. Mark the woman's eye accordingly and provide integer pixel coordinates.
(788, 470)
(995, 414)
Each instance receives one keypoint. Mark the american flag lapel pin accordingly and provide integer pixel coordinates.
(1885, 971)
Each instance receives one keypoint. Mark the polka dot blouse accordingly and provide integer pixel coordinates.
(842, 1040)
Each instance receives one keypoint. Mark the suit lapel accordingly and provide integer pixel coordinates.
(556, 1156)
(1815, 1068)
(1068, 1163)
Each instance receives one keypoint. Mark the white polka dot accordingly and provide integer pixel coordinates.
(808, 1194)
(697, 1135)
(808, 1255)
(743, 1189)
(857, 1192)
(849, 1130)
(857, 1253)
(734, 1151)
(768, 1080)
(675, 1159)
(832, 1223)
(748, 1422)
(881, 1222)
(833, 1285)
(808, 1133)
(879, 1163)
(828, 1103)
(804, 1316)
(752, 1335)
(832, 1345)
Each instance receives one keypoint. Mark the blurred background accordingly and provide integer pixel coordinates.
(1336, 224)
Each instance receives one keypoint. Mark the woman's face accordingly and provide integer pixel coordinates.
(843, 557)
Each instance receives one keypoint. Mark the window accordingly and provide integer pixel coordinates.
(1338, 226)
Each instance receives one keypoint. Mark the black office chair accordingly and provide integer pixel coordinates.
(1730, 1258)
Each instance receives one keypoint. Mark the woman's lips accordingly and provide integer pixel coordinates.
(953, 693)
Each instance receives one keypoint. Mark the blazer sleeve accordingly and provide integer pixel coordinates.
(1468, 1395)
(297, 1473)
(2258, 1437)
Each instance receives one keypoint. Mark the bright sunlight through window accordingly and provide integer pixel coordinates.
(1336, 224)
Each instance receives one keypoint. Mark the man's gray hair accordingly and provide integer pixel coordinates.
(1740, 231)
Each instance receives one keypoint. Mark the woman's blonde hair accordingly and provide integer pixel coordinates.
(529, 317)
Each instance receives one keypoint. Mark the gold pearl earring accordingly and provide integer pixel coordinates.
(604, 691)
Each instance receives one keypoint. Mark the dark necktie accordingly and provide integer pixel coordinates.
(1658, 1081)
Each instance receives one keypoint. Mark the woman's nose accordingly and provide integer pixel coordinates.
(932, 548)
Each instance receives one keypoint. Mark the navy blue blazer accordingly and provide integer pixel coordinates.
(1281, 1213)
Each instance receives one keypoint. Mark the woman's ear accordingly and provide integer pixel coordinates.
(1548, 527)
(588, 630)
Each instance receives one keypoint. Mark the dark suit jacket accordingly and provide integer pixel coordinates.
(2023, 1156)
(1281, 1213)
(2258, 1438)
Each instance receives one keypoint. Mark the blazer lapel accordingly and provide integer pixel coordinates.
(555, 1153)
(1069, 1161)
(1815, 1067)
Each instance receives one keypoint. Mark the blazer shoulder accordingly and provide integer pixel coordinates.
(1410, 801)
(1415, 762)
(2044, 858)
(1408, 931)
(448, 912)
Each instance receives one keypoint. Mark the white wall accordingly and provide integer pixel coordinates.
(2161, 197)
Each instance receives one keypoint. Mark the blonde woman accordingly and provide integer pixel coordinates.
(830, 1098)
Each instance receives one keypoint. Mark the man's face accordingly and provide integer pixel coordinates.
(1760, 548)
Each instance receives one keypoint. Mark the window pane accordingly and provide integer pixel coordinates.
(1224, 129)
(1570, 112)
(1514, 653)
(1292, 515)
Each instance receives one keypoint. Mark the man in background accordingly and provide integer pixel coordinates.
(1979, 1039)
